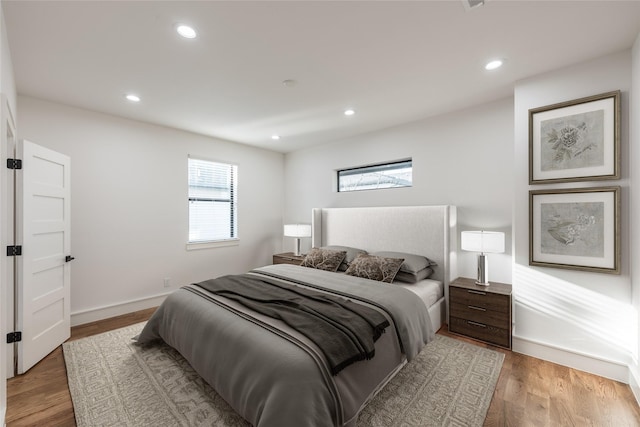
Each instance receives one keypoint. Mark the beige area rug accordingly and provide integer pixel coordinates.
(114, 382)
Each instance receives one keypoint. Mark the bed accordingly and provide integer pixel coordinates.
(274, 375)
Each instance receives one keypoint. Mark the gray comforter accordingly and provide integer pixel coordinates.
(271, 374)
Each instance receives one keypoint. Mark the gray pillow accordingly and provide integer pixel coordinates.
(375, 267)
(323, 259)
(412, 263)
(405, 277)
(352, 253)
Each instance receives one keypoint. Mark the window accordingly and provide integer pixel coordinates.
(384, 175)
(213, 196)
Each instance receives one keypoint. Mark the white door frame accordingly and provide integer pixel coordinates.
(7, 150)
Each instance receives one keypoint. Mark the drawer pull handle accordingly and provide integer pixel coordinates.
(476, 292)
(476, 324)
(473, 307)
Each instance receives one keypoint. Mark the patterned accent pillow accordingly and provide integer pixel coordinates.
(375, 267)
(352, 253)
(323, 259)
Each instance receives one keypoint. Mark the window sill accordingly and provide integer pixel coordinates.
(208, 245)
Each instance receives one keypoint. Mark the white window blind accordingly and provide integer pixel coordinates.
(212, 201)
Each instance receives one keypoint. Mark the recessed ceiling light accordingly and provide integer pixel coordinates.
(276, 137)
(133, 98)
(186, 31)
(497, 63)
(349, 112)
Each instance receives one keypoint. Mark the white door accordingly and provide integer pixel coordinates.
(43, 201)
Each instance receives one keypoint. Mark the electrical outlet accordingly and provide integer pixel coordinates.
(167, 282)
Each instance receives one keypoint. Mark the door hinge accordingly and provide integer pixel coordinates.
(14, 337)
(14, 164)
(14, 250)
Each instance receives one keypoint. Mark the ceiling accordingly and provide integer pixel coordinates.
(393, 62)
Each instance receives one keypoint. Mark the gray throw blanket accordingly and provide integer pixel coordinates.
(345, 331)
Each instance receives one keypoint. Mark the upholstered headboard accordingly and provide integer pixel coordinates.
(423, 230)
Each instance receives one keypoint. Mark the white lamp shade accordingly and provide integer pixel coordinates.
(297, 230)
(482, 241)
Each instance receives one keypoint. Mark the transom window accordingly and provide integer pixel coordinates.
(372, 177)
(213, 197)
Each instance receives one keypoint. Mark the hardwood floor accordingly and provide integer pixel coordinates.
(530, 391)
(534, 392)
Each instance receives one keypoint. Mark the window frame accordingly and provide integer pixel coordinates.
(233, 200)
(371, 168)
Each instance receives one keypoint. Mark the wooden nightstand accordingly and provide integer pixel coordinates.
(481, 312)
(287, 258)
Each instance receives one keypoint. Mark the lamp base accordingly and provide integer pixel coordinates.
(297, 251)
(483, 271)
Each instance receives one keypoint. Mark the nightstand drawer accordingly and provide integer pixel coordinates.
(486, 300)
(481, 331)
(499, 319)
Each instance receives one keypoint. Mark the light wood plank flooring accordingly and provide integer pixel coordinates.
(530, 391)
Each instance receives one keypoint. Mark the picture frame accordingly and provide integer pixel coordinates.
(577, 229)
(577, 140)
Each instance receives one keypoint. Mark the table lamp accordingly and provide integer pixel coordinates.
(483, 242)
(298, 231)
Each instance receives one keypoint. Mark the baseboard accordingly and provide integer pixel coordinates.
(105, 312)
(583, 362)
(634, 384)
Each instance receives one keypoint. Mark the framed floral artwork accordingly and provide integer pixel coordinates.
(577, 140)
(576, 229)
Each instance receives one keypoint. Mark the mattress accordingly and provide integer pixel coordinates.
(430, 291)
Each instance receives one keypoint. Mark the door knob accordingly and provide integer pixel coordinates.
(68, 258)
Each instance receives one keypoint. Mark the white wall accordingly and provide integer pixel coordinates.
(7, 80)
(463, 159)
(574, 318)
(634, 195)
(129, 215)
